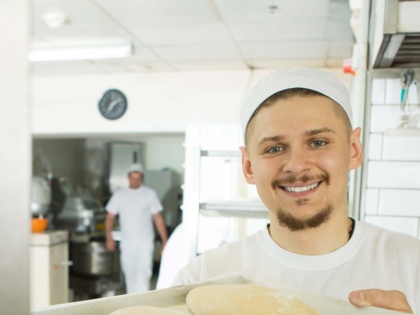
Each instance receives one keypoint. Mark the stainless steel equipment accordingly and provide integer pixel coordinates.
(95, 271)
(93, 259)
(41, 179)
(395, 34)
(164, 182)
(41, 196)
(81, 213)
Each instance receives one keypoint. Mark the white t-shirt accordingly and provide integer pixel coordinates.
(373, 258)
(135, 208)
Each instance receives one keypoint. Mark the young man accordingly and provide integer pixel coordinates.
(138, 207)
(299, 149)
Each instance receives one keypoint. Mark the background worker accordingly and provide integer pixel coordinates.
(299, 149)
(138, 207)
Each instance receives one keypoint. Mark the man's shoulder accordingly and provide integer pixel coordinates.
(147, 188)
(121, 191)
(392, 239)
(227, 258)
(141, 190)
(384, 232)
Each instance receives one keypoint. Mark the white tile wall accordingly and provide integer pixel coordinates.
(401, 148)
(383, 174)
(372, 201)
(378, 91)
(392, 194)
(393, 91)
(384, 117)
(399, 202)
(375, 146)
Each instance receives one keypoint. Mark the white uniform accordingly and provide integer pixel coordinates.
(373, 258)
(135, 208)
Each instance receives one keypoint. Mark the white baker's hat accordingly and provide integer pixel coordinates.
(136, 167)
(308, 78)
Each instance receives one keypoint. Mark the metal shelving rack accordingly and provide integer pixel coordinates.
(193, 207)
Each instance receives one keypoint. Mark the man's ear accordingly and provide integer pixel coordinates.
(246, 166)
(356, 149)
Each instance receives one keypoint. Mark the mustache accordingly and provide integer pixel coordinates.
(291, 179)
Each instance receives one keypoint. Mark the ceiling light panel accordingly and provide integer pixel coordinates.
(80, 53)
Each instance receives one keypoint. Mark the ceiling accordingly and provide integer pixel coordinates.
(190, 35)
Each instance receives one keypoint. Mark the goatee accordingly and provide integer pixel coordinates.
(295, 224)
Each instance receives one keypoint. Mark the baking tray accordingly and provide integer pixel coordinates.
(174, 299)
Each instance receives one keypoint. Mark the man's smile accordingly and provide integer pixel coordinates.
(301, 188)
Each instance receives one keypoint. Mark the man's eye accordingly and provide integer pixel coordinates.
(275, 149)
(319, 143)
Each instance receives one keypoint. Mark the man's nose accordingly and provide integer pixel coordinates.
(297, 161)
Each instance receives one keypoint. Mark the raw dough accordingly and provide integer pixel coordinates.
(143, 310)
(244, 299)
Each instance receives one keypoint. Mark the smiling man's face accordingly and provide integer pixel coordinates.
(298, 155)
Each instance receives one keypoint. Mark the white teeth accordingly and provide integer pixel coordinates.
(301, 189)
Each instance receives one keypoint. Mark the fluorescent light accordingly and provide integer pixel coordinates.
(80, 53)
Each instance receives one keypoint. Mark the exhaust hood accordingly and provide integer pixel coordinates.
(396, 32)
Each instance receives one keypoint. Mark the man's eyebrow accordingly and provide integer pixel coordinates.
(314, 132)
(270, 139)
(307, 133)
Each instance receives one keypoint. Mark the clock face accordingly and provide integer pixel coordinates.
(112, 104)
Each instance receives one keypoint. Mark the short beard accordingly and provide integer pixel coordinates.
(294, 224)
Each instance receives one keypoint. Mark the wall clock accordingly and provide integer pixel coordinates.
(112, 104)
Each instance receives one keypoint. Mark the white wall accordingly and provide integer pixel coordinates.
(392, 194)
(158, 102)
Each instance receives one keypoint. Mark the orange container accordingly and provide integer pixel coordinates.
(39, 225)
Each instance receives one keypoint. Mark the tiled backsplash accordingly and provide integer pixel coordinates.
(392, 195)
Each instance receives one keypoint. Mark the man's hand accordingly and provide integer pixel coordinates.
(392, 300)
(110, 244)
(109, 223)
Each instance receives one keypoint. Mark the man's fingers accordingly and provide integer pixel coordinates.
(393, 300)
